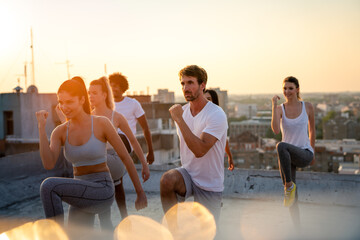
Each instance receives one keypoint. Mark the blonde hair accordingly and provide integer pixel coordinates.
(105, 87)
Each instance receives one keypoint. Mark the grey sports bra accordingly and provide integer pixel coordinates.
(90, 153)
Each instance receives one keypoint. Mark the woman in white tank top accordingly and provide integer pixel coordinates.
(295, 120)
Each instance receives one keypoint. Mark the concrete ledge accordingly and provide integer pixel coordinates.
(313, 187)
(22, 174)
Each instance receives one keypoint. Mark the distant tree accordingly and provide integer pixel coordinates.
(351, 114)
(271, 134)
(319, 132)
(329, 115)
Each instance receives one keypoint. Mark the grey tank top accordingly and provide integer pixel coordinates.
(90, 153)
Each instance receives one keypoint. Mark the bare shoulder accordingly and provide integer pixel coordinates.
(309, 106)
(309, 109)
(119, 119)
(119, 116)
(60, 131)
(101, 120)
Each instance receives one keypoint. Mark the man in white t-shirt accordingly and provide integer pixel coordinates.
(202, 129)
(131, 109)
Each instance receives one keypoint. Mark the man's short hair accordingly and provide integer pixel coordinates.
(194, 71)
(119, 79)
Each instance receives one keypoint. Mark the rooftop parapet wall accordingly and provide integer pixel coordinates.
(22, 174)
(313, 187)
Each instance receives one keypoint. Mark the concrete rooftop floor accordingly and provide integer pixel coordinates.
(240, 219)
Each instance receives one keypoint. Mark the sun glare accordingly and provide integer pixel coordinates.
(139, 227)
(190, 221)
(40, 230)
(3, 236)
(9, 28)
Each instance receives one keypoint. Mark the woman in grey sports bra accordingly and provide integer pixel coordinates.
(84, 138)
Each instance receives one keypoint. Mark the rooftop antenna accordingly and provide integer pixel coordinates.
(32, 59)
(68, 65)
(23, 75)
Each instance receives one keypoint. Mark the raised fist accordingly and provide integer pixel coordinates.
(41, 117)
(176, 112)
(275, 99)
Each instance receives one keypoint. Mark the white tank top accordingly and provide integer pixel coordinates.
(295, 131)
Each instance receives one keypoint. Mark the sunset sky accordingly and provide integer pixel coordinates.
(247, 47)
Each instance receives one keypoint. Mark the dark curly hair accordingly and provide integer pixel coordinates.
(119, 79)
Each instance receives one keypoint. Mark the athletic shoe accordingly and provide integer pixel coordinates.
(289, 197)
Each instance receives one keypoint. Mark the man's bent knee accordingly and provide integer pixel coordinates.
(170, 180)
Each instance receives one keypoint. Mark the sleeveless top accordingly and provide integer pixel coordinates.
(295, 131)
(90, 153)
(108, 145)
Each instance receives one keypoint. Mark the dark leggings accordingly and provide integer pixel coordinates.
(291, 157)
(91, 194)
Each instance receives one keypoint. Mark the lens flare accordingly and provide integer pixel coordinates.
(40, 230)
(48, 229)
(3, 236)
(139, 228)
(190, 221)
(23, 232)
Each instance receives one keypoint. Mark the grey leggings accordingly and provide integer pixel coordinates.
(87, 195)
(291, 157)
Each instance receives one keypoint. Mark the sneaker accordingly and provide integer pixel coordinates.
(289, 197)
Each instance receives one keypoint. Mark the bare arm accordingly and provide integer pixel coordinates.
(49, 152)
(230, 159)
(125, 128)
(60, 114)
(312, 132)
(199, 146)
(144, 125)
(113, 138)
(276, 115)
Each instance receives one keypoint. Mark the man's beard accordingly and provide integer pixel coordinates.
(191, 97)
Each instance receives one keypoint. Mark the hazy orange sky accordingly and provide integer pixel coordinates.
(245, 46)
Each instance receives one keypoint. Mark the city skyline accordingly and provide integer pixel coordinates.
(246, 47)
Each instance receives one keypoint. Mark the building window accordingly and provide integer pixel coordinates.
(8, 123)
(165, 123)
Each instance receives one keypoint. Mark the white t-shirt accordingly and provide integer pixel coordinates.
(206, 172)
(131, 109)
